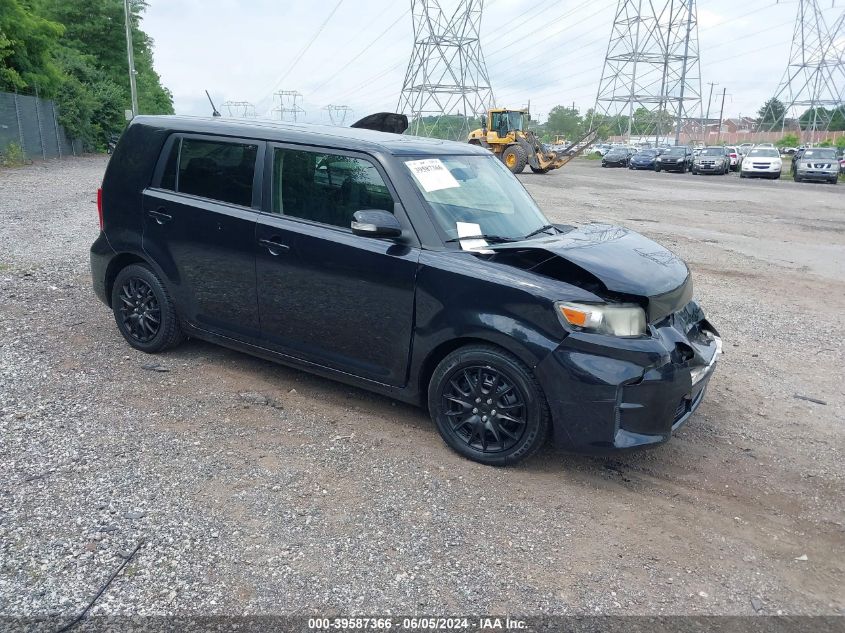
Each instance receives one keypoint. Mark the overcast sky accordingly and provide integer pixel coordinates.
(548, 51)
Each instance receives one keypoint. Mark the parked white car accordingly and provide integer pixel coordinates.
(761, 161)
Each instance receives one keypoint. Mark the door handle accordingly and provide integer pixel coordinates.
(160, 216)
(274, 247)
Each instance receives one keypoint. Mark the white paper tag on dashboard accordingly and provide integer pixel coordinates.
(468, 229)
(432, 174)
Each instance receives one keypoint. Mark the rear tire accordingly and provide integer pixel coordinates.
(488, 406)
(515, 158)
(143, 310)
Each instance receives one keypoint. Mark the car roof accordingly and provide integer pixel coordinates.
(311, 134)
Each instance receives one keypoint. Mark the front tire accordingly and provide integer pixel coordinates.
(143, 310)
(515, 158)
(488, 406)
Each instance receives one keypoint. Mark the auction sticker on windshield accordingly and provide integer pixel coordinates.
(432, 174)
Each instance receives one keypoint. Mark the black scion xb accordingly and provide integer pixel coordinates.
(416, 268)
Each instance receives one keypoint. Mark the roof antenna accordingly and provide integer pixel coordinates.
(214, 111)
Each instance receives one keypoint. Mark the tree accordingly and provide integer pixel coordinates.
(96, 28)
(565, 121)
(789, 140)
(26, 43)
(772, 113)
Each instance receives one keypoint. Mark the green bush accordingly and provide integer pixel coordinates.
(789, 140)
(13, 156)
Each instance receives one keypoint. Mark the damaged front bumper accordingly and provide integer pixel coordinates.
(609, 393)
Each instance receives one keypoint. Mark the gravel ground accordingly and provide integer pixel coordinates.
(260, 489)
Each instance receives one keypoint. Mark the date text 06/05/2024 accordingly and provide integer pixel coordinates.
(416, 623)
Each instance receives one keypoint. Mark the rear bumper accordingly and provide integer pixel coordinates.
(608, 394)
(101, 256)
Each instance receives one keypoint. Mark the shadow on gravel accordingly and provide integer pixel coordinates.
(245, 372)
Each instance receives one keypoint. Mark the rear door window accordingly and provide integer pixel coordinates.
(218, 170)
(326, 188)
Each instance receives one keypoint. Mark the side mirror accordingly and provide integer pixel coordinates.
(375, 223)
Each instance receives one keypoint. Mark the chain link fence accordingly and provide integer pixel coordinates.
(32, 124)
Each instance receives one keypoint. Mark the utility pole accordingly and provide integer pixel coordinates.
(288, 108)
(721, 115)
(130, 54)
(705, 126)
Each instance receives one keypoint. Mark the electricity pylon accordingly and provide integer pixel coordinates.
(813, 86)
(239, 109)
(339, 113)
(651, 81)
(287, 108)
(446, 88)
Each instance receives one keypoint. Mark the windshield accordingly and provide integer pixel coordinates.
(713, 151)
(647, 152)
(764, 152)
(478, 191)
(820, 153)
(507, 121)
(675, 151)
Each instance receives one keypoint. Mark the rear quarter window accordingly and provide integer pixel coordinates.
(217, 170)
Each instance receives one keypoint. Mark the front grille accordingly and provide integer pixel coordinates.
(761, 165)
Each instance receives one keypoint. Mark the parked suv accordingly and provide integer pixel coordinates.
(712, 160)
(677, 158)
(416, 268)
(816, 163)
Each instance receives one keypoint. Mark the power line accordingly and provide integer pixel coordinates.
(304, 49)
(364, 50)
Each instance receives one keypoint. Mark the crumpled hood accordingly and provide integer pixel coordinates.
(622, 260)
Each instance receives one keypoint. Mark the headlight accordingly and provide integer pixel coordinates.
(680, 160)
(619, 319)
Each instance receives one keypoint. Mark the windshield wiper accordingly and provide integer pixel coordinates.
(493, 239)
(540, 230)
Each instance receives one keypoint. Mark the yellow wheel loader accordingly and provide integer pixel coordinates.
(504, 134)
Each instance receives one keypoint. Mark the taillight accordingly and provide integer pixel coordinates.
(100, 206)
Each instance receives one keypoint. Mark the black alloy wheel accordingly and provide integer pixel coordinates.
(144, 311)
(139, 310)
(488, 406)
